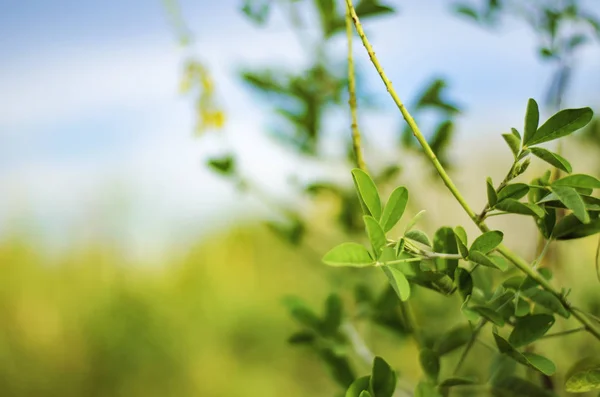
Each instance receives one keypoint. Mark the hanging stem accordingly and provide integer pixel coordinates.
(356, 142)
(520, 263)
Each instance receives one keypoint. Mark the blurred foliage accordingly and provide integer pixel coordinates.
(562, 28)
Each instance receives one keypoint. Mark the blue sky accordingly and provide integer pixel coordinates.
(91, 120)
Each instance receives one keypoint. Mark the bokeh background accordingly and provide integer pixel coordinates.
(130, 267)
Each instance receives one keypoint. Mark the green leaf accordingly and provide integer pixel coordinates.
(522, 307)
(487, 242)
(489, 314)
(561, 124)
(358, 386)
(530, 328)
(398, 282)
(303, 314)
(453, 339)
(383, 379)
(516, 387)
(569, 227)
(369, 8)
(583, 376)
(333, 314)
(531, 360)
(464, 282)
(458, 381)
(418, 236)
(349, 254)
(580, 181)
(540, 363)
(302, 338)
(552, 158)
(513, 143)
(466, 11)
(376, 235)
(548, 300)
(482, 259)
(532, 119)
(516, 207)
(367, 191)
(445, 242)
(224, 165)
(461, 240)
(514, 191)
(394, 209)
(365, 393)
(491, 192)
(430, 362)
(569, 197)
(414, 221)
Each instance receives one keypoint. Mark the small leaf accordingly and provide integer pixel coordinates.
(418, 236)
(464, 282)
(561, 124)
(458, 381)
(383, 379)
(521, 307)
(414, 221)
(513, 143)
(569, 197)
(514, 191)
(398, 282)
(453, 339)
(376, 235)
(552, 158)
(540, 363)
(461, 240)
(394, 209)
(445, 242)
(365, 393)
(466, 11)
(334, 311)
(516, 207)
(491, 192)
(367, 191)
(482, 259)
(349, 254)
(532, 119)
(569, 227)
(487, 242)
(359, 385)
(302, 338)
(548, 300)
(530, 328)
(224, 165)
(430, 362)
(583, 376)
(578, 181)
(516, 387)
(489, 314)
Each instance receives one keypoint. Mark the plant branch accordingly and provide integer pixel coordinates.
(356, 141)
(520, 263)
(562, 333)
(470, 344)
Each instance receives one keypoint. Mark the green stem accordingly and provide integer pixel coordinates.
(356, 141)
(470, 344)
(562, 333)
(520, 263)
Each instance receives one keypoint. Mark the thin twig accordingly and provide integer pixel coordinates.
(563, 333)
(356, 141)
